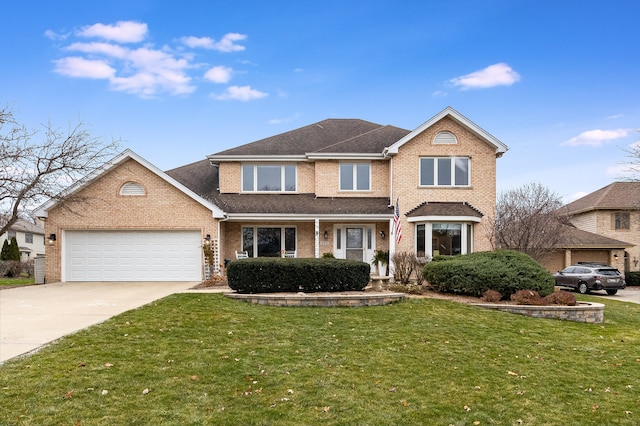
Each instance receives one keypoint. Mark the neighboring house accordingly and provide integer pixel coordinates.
(30, 238)
(612, 212)
(329, 187)
(578, 245)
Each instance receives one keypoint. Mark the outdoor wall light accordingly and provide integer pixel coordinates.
(208, 237)
(52, 238)
(326, 235)
(615, 256)
(382, 234)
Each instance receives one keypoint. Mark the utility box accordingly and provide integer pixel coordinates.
(39, 269)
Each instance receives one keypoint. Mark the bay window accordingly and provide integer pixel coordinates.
(450, 239)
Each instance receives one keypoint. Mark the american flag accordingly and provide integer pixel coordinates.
(397, 226)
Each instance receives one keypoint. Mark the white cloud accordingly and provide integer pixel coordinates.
(439, 94)
(614, 117)
(596, 137)
(284, 120)
(494, 75)
(55, 36)
(570, 198)
(145, 70)
(219, 74)
(74, 66)
(226, 44)
(241, 93)
(121, 32)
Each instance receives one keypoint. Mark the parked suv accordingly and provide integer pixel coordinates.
(587, 276)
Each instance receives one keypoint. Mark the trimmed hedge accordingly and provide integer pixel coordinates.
(504, 271)
(272, 275)
(632, 278)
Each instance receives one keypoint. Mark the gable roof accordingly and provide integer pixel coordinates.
(615, 196)
(491, 140)
(577, 238)
(445, 210)
(324, 138)
(127, 154)
(24, 226)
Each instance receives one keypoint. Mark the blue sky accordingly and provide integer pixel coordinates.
(558, 82)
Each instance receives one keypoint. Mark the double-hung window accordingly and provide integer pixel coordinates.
(355, 177)
(268, 178)
(445, 171)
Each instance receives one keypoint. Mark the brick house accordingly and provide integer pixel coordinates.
(329, 187)
(612, 212)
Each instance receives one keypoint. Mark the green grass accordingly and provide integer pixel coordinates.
(205, 359)
(14, 282)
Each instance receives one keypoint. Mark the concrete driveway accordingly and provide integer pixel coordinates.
(36, 315)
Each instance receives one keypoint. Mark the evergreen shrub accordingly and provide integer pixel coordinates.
(273, 275)
(632, 278)
(505, 271)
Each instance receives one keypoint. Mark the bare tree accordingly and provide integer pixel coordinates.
(632, 164)
(36, 166)
(526, 220)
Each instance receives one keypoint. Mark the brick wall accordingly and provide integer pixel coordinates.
(162, 207)
(481, 194)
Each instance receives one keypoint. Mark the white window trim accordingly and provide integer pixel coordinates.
(282, 178)
(453, 172)
(354, 171)
(255, 235)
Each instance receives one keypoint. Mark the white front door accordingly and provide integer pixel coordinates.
(354, 242)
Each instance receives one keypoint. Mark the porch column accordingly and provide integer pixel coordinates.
(317, 238)
(392, 249)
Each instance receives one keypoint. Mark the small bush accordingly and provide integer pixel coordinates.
(563, 298)
(491, 296)
(404, 264)
(527, 297)
(271, 275)
(632, 278)
(504, 271)
(407, 288)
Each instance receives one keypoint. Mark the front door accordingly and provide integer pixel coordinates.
(355, 243)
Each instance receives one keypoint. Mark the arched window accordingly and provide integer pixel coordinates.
(132, 188)
(445, 138)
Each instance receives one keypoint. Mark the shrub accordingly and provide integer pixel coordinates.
(527, 297)
(632, 278)
(504, 271)
(491, 296)
(561, 298)
(270, 275)
(404, 264)
(407, 288)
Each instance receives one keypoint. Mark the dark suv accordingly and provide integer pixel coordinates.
(587, 276)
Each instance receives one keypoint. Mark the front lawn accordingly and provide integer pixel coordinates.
(204, 359)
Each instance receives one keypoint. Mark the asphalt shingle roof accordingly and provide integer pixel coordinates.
(439, 208)
(616, 196)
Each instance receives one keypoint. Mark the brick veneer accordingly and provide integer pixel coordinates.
(163, 207)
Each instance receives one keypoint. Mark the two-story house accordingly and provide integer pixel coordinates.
(329, 187)
(30, 238)
(612, 212)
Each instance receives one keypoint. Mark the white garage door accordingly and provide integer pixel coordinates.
(132, 256)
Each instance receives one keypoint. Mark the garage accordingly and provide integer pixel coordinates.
(132, 256)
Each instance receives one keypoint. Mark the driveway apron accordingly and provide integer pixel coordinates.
(33, 316)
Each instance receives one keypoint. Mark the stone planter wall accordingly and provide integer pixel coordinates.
(582, 312)
(352, 299)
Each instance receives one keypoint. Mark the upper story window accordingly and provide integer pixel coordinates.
(268, 178)
(355, 177)
(445, 138)
(445, 171)
(28, 238)
(11, 234)
(132, 188)
(621, 220)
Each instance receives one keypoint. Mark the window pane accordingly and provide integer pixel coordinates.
(247, 240)
(462, 171)
(446, 238)
(269, 242)
(289, 238)
(346, 177)
(269, 178)
(426, 171)
(363, 177)
(444, 171)
(420, 241)
(28, 238)
(289, 178)
(247, 178)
